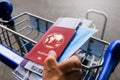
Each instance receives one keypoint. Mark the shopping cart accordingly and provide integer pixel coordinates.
(19, 34)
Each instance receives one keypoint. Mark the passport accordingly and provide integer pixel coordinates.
(32, 67)
(56, 38)
(20, 73)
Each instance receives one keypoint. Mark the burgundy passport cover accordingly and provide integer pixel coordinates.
(56, 38)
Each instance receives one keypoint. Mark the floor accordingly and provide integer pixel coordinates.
(53, 9)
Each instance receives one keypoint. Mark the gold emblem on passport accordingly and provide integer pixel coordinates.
(53, 40)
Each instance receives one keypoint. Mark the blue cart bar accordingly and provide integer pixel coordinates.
(9, 57)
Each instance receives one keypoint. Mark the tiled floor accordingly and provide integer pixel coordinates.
(5, 72)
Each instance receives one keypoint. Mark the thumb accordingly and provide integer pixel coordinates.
(51, 59)
(52, 54)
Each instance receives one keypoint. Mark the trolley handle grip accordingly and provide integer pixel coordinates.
(111, 60)
(6, 9)
(99, 13)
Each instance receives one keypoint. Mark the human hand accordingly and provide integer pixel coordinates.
(67, 70)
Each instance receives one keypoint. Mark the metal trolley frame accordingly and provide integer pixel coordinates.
(28, 28)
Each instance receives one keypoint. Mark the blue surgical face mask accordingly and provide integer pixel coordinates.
(81, 36)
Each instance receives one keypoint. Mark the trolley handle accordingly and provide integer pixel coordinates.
(99, 13)
(6, 9)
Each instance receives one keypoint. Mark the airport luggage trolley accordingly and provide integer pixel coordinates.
(18, 39)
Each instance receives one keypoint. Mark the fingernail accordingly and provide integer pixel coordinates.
(52, 53)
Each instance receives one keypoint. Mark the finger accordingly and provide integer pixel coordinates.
(51, 59)
(72, 63)
(74, 74)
